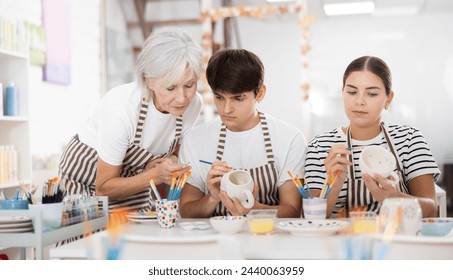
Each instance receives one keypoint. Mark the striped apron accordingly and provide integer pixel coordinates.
(78, 166)
(358, 197)
(265, 175)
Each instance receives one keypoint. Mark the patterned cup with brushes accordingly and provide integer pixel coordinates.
(167, 213)
(315, 208)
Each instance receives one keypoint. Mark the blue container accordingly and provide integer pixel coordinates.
(12, 102)
(14, 204)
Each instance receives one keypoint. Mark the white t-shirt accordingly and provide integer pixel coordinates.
(111, 129)
(243, 149)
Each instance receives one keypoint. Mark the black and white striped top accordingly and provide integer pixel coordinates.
(411, 147)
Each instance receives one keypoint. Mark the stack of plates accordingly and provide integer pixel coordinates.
(142, 216)
(15, 224)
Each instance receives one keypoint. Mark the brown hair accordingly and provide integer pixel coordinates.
(235, 71)
(373, 64)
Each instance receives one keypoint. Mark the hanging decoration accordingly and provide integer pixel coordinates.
(209, 15)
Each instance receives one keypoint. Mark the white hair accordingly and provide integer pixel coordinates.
(167, 54)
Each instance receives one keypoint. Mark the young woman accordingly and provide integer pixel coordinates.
(241, 138)
(137, 127)
(367, 91)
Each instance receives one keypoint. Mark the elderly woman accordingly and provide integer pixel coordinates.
(136, 130)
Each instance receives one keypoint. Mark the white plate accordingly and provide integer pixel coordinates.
(14, 230)
(194, 225)
(143, 220)
(142, 215)
(312, 227)
(16, 225)
(14, 220)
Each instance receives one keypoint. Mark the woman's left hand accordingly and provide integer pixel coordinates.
(379, 188)
(234, 206)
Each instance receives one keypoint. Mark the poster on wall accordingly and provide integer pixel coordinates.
(57, 25)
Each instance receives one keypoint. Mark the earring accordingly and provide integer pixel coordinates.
(386, 107)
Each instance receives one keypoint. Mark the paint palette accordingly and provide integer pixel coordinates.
(312, 227)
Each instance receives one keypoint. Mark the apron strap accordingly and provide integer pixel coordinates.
(141, 121)
(351, 173)
(267, 138)
(221, 144)
(402, 184)
(392, 148)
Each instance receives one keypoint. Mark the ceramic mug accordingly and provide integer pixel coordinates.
(405, 213)
(378, 160)
(239, 184)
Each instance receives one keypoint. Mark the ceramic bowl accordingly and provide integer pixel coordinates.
(436, 226)
(228, 224)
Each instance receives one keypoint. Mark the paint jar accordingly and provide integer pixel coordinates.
(11, 101)
(1, 99)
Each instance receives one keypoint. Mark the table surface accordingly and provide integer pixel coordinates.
(282, 244)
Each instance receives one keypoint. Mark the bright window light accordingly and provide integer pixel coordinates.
(351, 8)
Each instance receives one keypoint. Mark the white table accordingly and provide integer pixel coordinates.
(282, 245)
(279, 245)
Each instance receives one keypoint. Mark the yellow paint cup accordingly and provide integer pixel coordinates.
(262, 221)
(363, 222)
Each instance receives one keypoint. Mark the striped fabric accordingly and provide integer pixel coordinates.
(78, 165)
(141, 121)
(265, 176)
(413, 156)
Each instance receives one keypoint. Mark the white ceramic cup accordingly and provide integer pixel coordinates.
(315, 208)
(239, 184)
(410, 221)
(378, 160)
